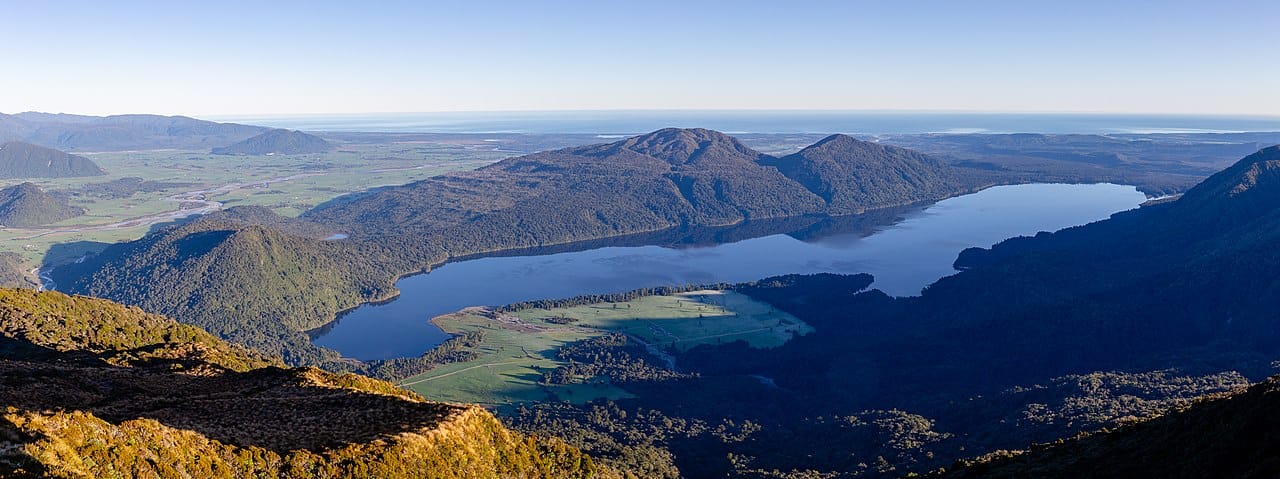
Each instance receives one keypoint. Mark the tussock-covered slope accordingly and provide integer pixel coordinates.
(96, 389)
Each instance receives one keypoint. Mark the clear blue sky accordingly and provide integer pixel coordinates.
(229, 57)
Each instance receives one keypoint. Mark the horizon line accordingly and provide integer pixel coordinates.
(905, 111)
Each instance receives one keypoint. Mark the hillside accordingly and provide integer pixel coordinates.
(120, 132)
(200, 272)
(26, 205)
(851, 175)
(664, 179)
(1226, 436)
(24, 160)
(239, 274)
(12, 271)
(277, 142)
(1037, 339)
(95, 389)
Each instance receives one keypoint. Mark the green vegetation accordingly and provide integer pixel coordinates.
(96, 389)
(146, 188)
(520, 348)
(853, 176)
(27, 205)
(264, 279)
(12, 272)
(664, 179)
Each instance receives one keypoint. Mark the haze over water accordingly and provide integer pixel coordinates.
(904, 257)
(851, 122)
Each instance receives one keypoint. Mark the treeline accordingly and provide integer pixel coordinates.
(457, 349)
(614, 356)
(608, 297)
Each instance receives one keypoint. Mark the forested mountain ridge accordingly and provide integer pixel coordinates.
(663, 179)
(1167, 285)
(850, 174)
(25, 160)
(96, 389)
(244, 274)
(25, 204)
(1227, 435)
(120, 132)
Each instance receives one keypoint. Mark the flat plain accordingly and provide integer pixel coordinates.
(519, 347)
(185, 183)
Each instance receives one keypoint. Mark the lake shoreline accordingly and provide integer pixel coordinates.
(801, 229)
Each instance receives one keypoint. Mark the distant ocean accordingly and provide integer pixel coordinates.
(851, 122)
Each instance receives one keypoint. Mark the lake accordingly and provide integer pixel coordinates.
(904, 249)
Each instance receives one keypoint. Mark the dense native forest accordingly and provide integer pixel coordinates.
(25, 204)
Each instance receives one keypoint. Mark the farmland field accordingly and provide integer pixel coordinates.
(183, 183)
(519, 347)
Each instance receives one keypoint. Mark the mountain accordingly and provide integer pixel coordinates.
(26, 205)
(851, 175)
(277, 142)
(250, 278)
(1225, 436)
(668, 178)
(13, 273)
(243, 274)
(1183, 284)
(24, 160)
(96, 389)
(120, 132)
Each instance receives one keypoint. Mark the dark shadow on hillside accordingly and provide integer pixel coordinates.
(347, 198)
(1229, 437)
(269, 408)
(77, 253)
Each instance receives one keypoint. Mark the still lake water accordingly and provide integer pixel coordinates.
(904, 252)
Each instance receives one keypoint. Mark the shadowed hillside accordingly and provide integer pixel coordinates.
(1225, 436)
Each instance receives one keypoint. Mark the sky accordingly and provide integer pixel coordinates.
(316, 57)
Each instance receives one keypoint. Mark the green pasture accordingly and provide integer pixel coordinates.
(520, 347)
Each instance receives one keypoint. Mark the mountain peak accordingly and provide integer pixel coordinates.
(850, 173)
(680, 145)
(277, 142)
(1246, 190)
(26, 160)
(26, 204)
(1257, 172)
